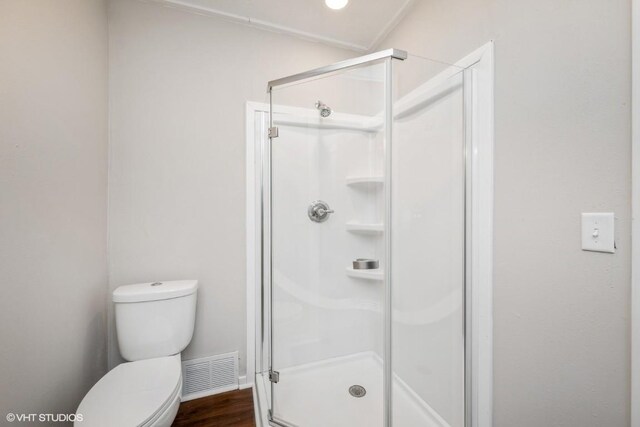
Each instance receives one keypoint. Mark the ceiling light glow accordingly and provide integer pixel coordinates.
(336, 4)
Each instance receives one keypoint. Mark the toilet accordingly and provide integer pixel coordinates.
(154, 323)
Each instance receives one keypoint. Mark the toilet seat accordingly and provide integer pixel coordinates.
(134, 394)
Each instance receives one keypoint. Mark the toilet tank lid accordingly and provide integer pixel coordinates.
(155, 291)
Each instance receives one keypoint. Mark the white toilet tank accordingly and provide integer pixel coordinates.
(155, 319)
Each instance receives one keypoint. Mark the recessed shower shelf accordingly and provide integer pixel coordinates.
(363, 228)
(375, 274)
(365, 180)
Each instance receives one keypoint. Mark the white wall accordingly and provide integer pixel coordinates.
(179, 83)
(562, 147)
(53, 202)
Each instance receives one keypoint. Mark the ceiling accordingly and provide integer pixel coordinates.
(359, 26)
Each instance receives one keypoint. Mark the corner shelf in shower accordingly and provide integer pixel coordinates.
(365, 180)
(364, 228)
(376, 274)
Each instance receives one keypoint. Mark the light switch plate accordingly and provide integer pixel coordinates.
(597, 232)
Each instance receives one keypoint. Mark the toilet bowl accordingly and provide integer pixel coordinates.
(154, 322)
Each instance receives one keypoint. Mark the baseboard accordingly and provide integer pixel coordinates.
(243, 384)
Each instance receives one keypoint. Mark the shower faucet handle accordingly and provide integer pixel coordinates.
(319, 211)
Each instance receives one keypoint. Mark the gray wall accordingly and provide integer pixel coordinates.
(53, 201)
(178, 86)
(562, 121)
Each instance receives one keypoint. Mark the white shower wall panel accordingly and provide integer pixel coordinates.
(319, 312)
(428, 251)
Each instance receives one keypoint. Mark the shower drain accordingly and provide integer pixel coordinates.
(357, 391)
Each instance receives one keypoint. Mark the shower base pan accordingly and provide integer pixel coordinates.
(317, 395)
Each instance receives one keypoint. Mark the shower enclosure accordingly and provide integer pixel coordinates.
(364, 237)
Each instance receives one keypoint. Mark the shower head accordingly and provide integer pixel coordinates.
(325, 110)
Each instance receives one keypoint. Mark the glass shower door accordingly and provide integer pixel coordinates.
(327, 203)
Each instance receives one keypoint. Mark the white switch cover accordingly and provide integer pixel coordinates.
(597, 232)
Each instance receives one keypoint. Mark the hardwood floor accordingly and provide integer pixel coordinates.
(234, 408)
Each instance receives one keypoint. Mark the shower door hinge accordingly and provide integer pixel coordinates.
(274, 376)
(273, 132)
